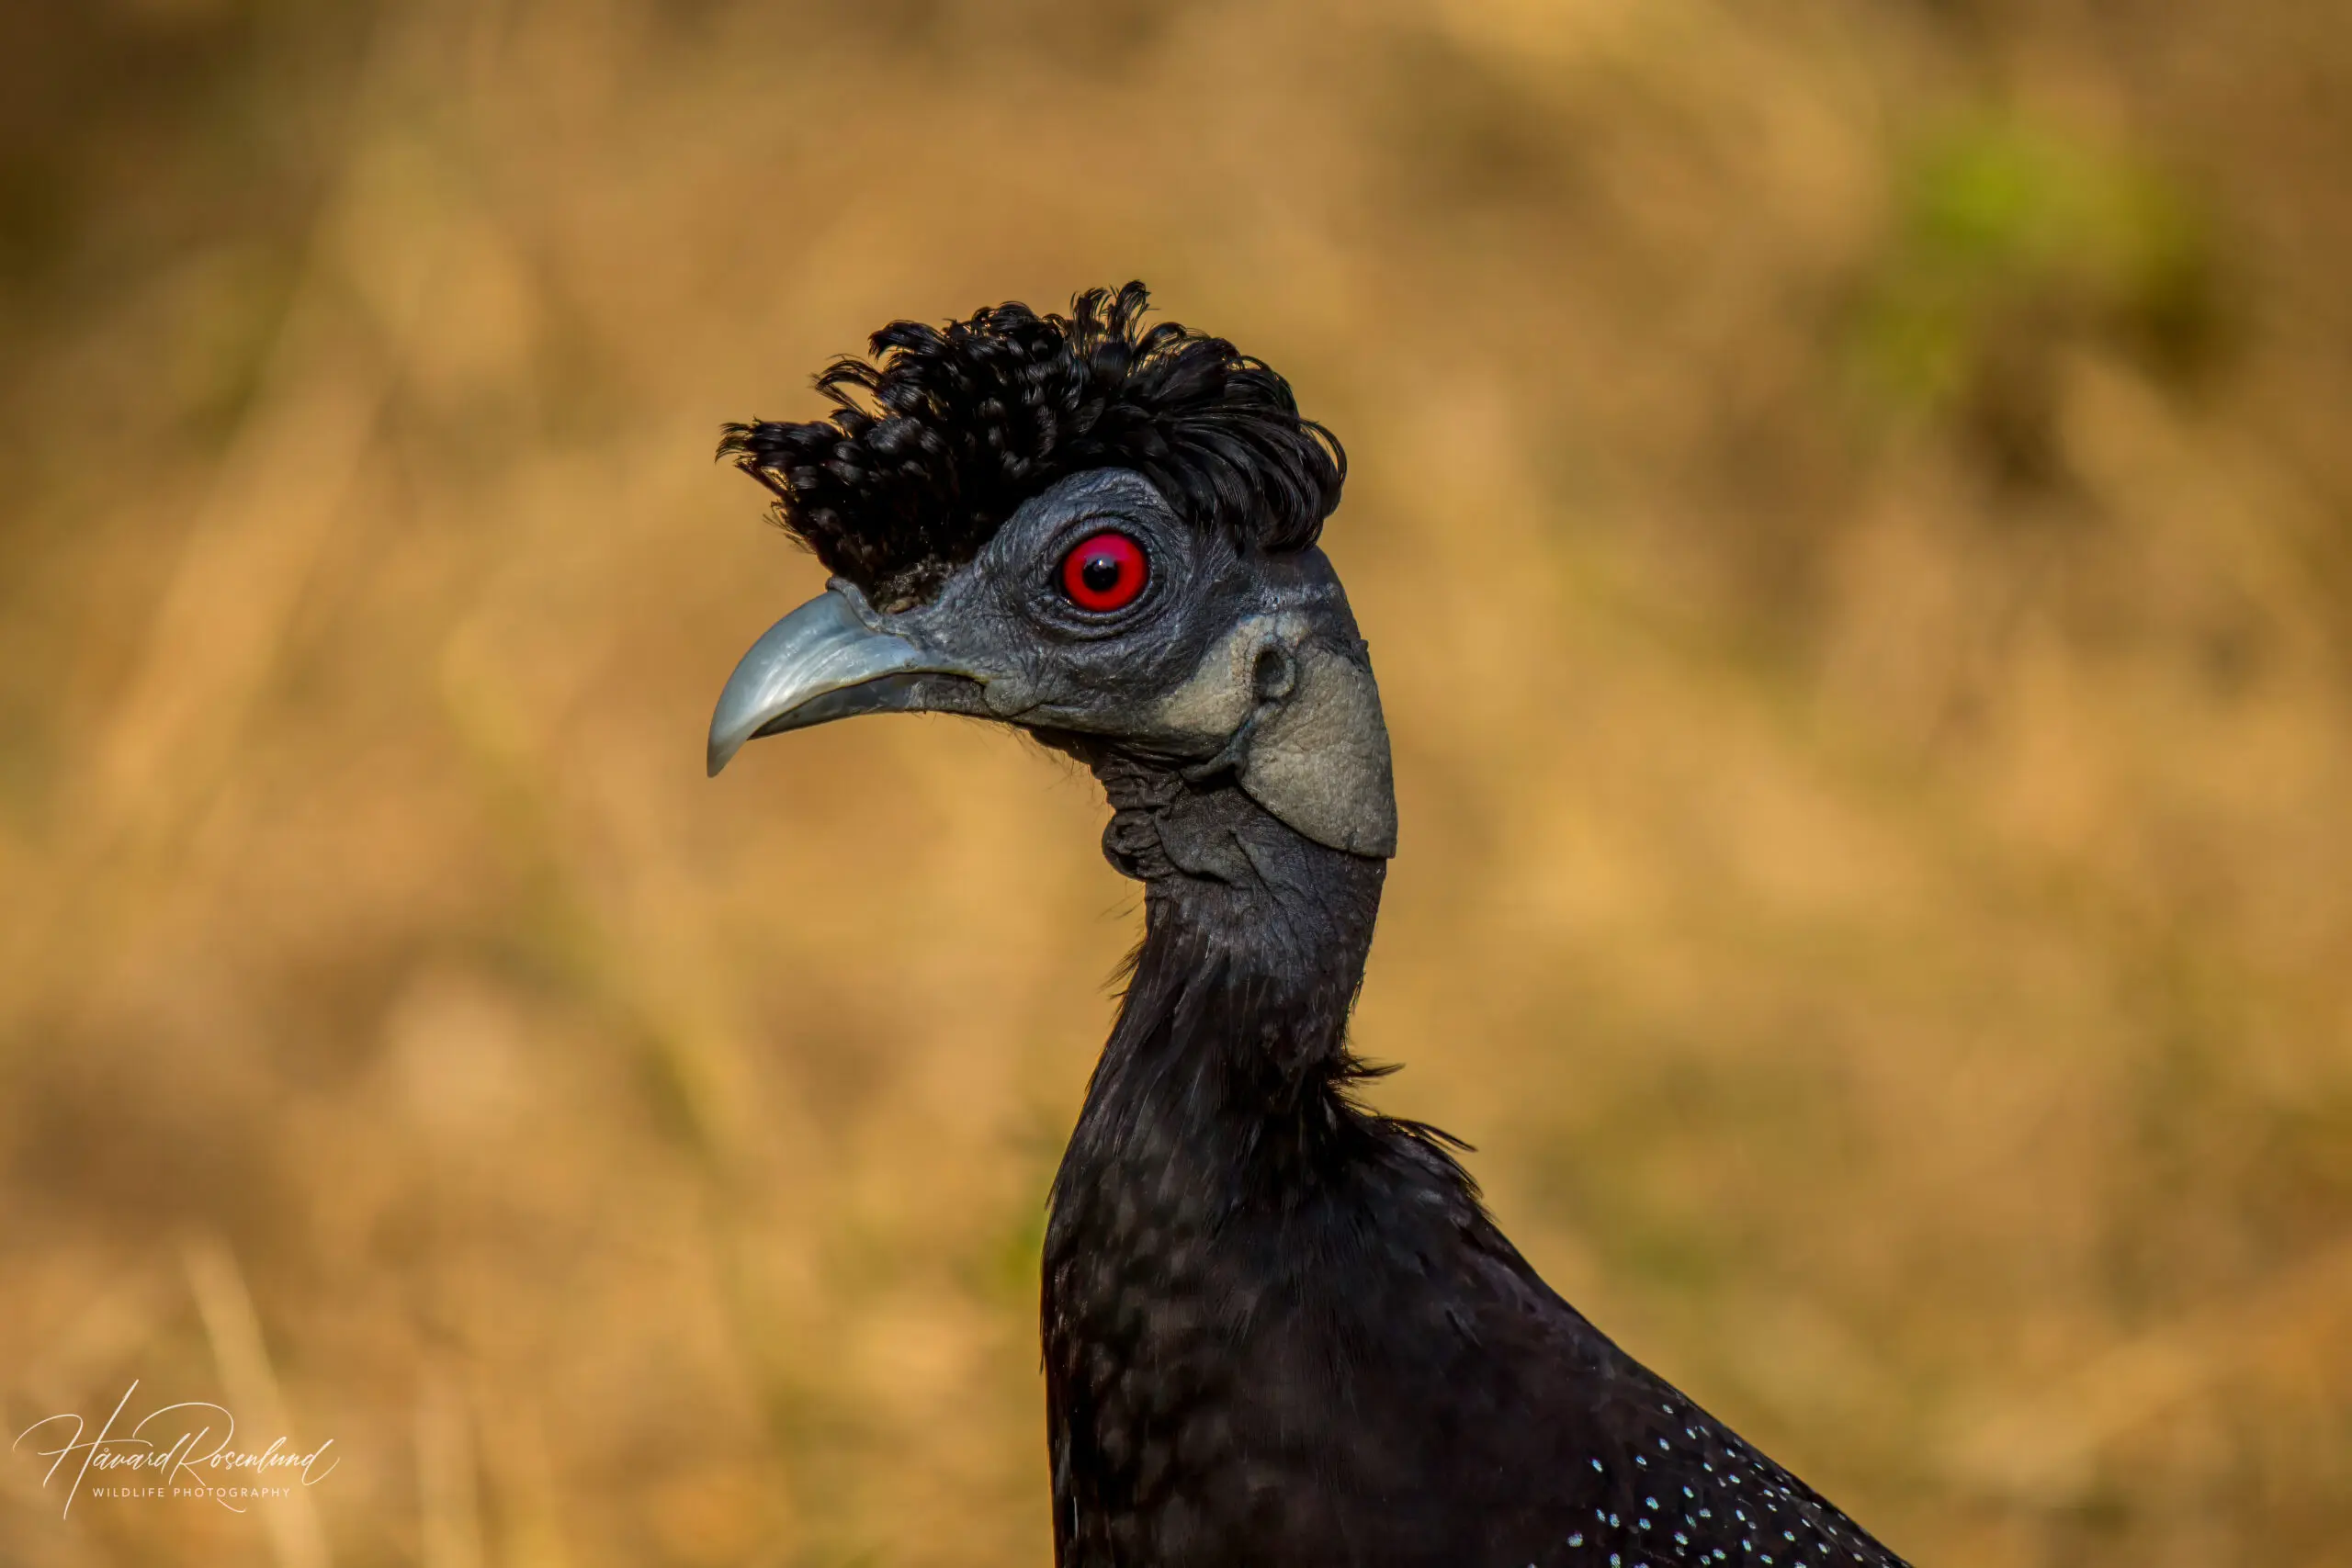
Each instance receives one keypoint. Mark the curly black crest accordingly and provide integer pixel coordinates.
(959, 425)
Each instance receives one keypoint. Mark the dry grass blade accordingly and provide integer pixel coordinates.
(232, 1329)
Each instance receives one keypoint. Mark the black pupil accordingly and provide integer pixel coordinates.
(1099, 573)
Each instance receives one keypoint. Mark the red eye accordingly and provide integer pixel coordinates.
(1105, 572)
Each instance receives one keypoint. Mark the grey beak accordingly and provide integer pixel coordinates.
(822, 663)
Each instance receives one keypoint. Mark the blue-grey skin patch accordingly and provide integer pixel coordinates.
(1250, 663)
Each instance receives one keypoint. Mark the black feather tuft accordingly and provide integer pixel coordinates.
(938, 438)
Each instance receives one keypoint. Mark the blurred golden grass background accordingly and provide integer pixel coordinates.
(1853, 509)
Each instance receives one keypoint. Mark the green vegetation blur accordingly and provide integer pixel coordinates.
(1852, 502)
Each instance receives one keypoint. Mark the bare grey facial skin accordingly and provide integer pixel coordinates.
(1226, 661)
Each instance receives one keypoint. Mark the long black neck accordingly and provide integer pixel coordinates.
(1280, 1329)
(1229, 1054)
(1226, 1226)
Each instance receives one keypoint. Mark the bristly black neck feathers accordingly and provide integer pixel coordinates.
(1216, 1191)
(1229, 1057)
(1280, 1330)
(1254, 945)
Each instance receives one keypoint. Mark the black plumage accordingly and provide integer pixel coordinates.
(1279, 1328)
(929, 448)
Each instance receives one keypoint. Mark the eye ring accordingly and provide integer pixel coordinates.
(1105, 571)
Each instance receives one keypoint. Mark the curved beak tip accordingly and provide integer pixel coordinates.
(821, 649)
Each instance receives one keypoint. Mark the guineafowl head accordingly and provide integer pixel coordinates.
(1098, 530)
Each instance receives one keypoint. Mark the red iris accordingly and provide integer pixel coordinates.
(1105, 572)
